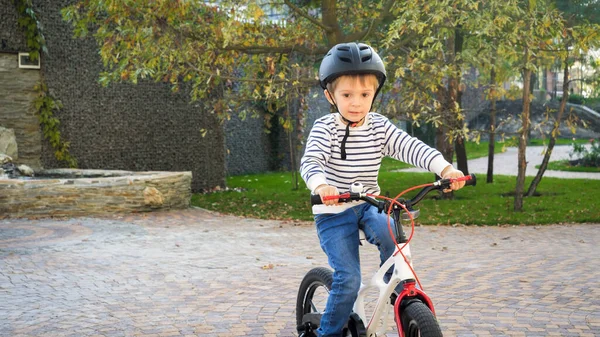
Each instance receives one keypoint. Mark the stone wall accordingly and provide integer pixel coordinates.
(247, 146)
(16, 111)
(11, 39)
(16, 88)
(101, 193)
(142, 127)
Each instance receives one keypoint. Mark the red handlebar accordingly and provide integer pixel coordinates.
(469, 180)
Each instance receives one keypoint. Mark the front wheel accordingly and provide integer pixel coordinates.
(312, 297)
(417, 320)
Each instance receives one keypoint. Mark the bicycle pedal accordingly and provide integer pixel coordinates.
(307, 334)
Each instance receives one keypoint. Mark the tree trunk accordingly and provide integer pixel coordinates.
(563, 104)
(442, 143)
(459, 145)
(444, 146)
(461, 155)
(522, 162)
(492, 136)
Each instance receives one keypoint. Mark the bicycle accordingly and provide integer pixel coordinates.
(414, 313)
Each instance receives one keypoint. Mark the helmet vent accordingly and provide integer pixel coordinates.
(349, 59)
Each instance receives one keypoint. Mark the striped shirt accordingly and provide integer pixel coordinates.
(365, 148)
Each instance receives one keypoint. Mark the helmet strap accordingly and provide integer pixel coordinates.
(349, 123)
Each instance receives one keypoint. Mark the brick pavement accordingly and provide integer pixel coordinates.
(196, 273)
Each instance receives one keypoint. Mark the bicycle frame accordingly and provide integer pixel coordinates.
(378, 322)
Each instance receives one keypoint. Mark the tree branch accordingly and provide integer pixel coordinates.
(375, 22)
(279, 49)
(255, 49)
(311, 82)
(329, 14)
(305, 15)
(584, 80)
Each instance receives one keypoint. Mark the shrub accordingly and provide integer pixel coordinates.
(586, 157)
(573, 99)
(593, 103)
(576, 99)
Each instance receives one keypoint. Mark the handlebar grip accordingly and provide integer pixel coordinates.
(472, 181)
(315, 199)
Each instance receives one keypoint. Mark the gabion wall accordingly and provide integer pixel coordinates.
(247, 146)
(11, 39)
(140, 127)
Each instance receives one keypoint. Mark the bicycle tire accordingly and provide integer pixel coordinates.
(418, 320)
(312, 281)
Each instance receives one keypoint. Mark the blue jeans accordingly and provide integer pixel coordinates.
(338, 234)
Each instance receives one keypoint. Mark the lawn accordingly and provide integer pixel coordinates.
(272, 196)
(563, 165)
(275, 196)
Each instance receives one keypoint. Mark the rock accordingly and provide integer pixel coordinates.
(8, 143)
(153, 197)
(25, 170)
(9, 169)
(5, 159)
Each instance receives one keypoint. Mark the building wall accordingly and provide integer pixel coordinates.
(140, 127)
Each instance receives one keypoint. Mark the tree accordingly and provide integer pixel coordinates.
(580, 34)
(430, 68)
(236, 53)
(540, 25)
(447, 41)
(496, 35)
(228, 56)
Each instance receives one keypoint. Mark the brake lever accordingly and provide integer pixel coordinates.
(442, 184)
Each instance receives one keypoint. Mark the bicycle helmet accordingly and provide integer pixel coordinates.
(350, 59)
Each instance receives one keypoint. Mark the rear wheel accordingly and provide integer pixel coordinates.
(312, 297)
(418, 320)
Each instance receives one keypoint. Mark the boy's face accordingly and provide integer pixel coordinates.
(353, 95)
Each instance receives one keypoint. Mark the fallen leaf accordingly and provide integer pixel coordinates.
(268, 266)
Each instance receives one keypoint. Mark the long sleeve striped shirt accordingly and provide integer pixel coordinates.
(365, 147)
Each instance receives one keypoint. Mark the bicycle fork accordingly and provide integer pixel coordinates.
(409, 294)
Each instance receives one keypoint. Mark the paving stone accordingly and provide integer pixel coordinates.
(197, 273)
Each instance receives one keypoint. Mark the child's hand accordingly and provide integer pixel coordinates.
(451, 172)
(325, 191)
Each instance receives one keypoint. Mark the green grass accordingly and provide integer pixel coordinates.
(563, 165)
(271, 196)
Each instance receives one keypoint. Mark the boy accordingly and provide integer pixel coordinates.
(347, 147)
